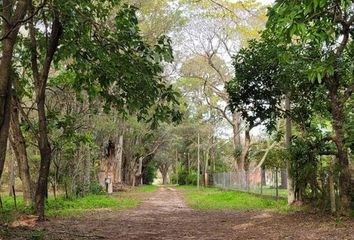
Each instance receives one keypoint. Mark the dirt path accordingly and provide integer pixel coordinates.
(164, 215)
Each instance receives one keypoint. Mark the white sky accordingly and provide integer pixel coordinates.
(262, 1)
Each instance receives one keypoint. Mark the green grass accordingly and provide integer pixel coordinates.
(201, 188)
(271, 192)
(68, 207)
(213, 198)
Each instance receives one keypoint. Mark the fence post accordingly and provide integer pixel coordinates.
(276, 183)
(262, 181)
(248, 181)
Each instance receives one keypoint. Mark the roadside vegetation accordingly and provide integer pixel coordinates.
(108, 95)
(72, 206)
(214, 198)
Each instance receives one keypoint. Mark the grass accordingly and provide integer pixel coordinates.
(213, 198)
(73, 206)
(70, 207)
(201, 188)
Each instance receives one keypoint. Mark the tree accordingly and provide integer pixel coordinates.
(306, 59)
(55, 49)
(12, 17)
(324, 25)
(212, 38)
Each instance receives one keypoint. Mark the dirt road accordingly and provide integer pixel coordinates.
(164, 215)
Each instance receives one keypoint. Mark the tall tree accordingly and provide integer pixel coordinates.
(326, 26)
(12, 17)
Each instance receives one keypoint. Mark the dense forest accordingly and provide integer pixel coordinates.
(106, 95)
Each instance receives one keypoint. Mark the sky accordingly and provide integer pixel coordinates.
(262, 1)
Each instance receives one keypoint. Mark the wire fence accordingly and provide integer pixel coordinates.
(264, 182)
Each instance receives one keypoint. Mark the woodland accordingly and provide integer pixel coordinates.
(108, 95)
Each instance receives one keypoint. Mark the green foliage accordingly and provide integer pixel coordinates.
(303, 163)
(107, 59)
(96, 189)
(255, 91)
(303, 54)
(186, 177)
(150, 173)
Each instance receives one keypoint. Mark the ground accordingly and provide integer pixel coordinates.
(163, 214)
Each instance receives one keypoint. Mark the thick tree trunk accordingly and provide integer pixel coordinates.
(164, 178)
(45, 153)
(164, 170)
(140, 170)
(236, 123)
(5, 108)
(342, 152)
(242, 166)
(291, 194)
(19, 148)
(284, 178)
(13, 12)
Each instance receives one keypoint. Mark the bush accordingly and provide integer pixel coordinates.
(185, 177)
(149, 173)
(96, 188)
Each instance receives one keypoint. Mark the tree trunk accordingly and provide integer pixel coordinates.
(206, 180)
(342, 152)
(164, 177)
(332, 194)
(87, 172)
(291, 194)
(236, 123)
(263, 176)
(18, 144)
(45, 153)
(119, 159)
(140, 170)
(40, 88)
(11, 172)
(13, 13)
(242, 166)
(284, 178)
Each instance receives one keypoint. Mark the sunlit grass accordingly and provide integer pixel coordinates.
(201, 188)
(213, 198)
(71, 206)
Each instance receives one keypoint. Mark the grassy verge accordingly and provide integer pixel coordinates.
(73, 206)
(201, 188)
(213, 198)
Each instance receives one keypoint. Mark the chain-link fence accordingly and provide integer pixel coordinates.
(265, 182)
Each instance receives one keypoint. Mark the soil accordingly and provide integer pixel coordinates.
(164, 215)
